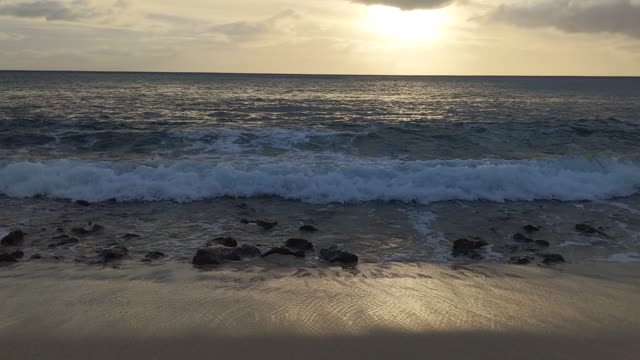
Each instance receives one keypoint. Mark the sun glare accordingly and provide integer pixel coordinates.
(416, 25)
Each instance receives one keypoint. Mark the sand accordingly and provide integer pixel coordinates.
(492, 311)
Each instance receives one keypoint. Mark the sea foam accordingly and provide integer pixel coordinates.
(333, 180)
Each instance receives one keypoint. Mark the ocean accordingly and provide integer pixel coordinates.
(390, 168)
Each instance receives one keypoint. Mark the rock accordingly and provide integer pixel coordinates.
(308, 228)
(266, 224)
(36, 257)
(283, 251)
(14, 238)
(130, 236)
(542, 243)
(467, 247)
(114, 253)
(18, 254)
(520, 260)
(590, 230)
(299, 244)
(521, 238)
(549, 259)
(205, 257)
(333, 254)
(224, 241)
(84, 231)
(83, 202)
(248, 251)
(531, 228)
(154, 255)
(62, 240)
(59, 230)
(8, 257)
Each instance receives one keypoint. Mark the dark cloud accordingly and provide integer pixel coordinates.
(248, 30)
(408, 4)
(594, 16)
(57, 10)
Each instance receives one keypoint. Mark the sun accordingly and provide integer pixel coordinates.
(396, 24)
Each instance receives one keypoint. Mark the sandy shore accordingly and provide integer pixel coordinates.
(377, 311)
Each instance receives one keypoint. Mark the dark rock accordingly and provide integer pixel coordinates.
(83, 202)
(520, 260)
(308, 228)
(62, 240)
(130, 236)
(114, 253)
(224, 241)
(205, 257)
(248, 251)
(552, 259)
(84, 231)
(531, 228)
(333, 254)
(14, 238)
(244, 221)
(542, 243)
(266, 224)
(590, 230)
(8, 257)
(154, 255)
(36, 257)
(467, 247)
(299, 244)
(283, 251)
(18, 254)
(521, 238)
(59, 230)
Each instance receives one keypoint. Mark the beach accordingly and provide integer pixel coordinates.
(57, 311)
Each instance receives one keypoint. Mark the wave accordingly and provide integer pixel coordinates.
(322, 181)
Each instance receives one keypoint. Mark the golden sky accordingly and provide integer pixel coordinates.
(422, 37)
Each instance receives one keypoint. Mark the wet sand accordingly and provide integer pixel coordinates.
(409, 310)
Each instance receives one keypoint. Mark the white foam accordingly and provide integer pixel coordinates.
(331, 180)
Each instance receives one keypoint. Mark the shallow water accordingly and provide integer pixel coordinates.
(392, 168)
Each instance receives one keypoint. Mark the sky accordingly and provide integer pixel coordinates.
(395, 37)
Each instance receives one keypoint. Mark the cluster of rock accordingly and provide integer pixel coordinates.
(470, 247)
(223, 249)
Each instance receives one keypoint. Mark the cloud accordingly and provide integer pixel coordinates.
(408, 4)
(282, 23)
(585, 16)
(58, 10)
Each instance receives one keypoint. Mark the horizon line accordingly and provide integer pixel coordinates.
(313, 74)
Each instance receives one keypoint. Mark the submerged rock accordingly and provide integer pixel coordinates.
(114, 253)
(590, 230)
(333, 254)
(549, 259)
(520, 260)
(299, 244)
(83, 203)
(267, 225)
(283, 251)
(14, 238)
(154, 255)
(62, 240)
(86, 231)
(468, 247)
(35, 257)
(130, 236)
(531, 228)
(224, 241)
(521, 238)
(542, 243)
(308, 228)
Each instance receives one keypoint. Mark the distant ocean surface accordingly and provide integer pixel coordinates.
(318, 140)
